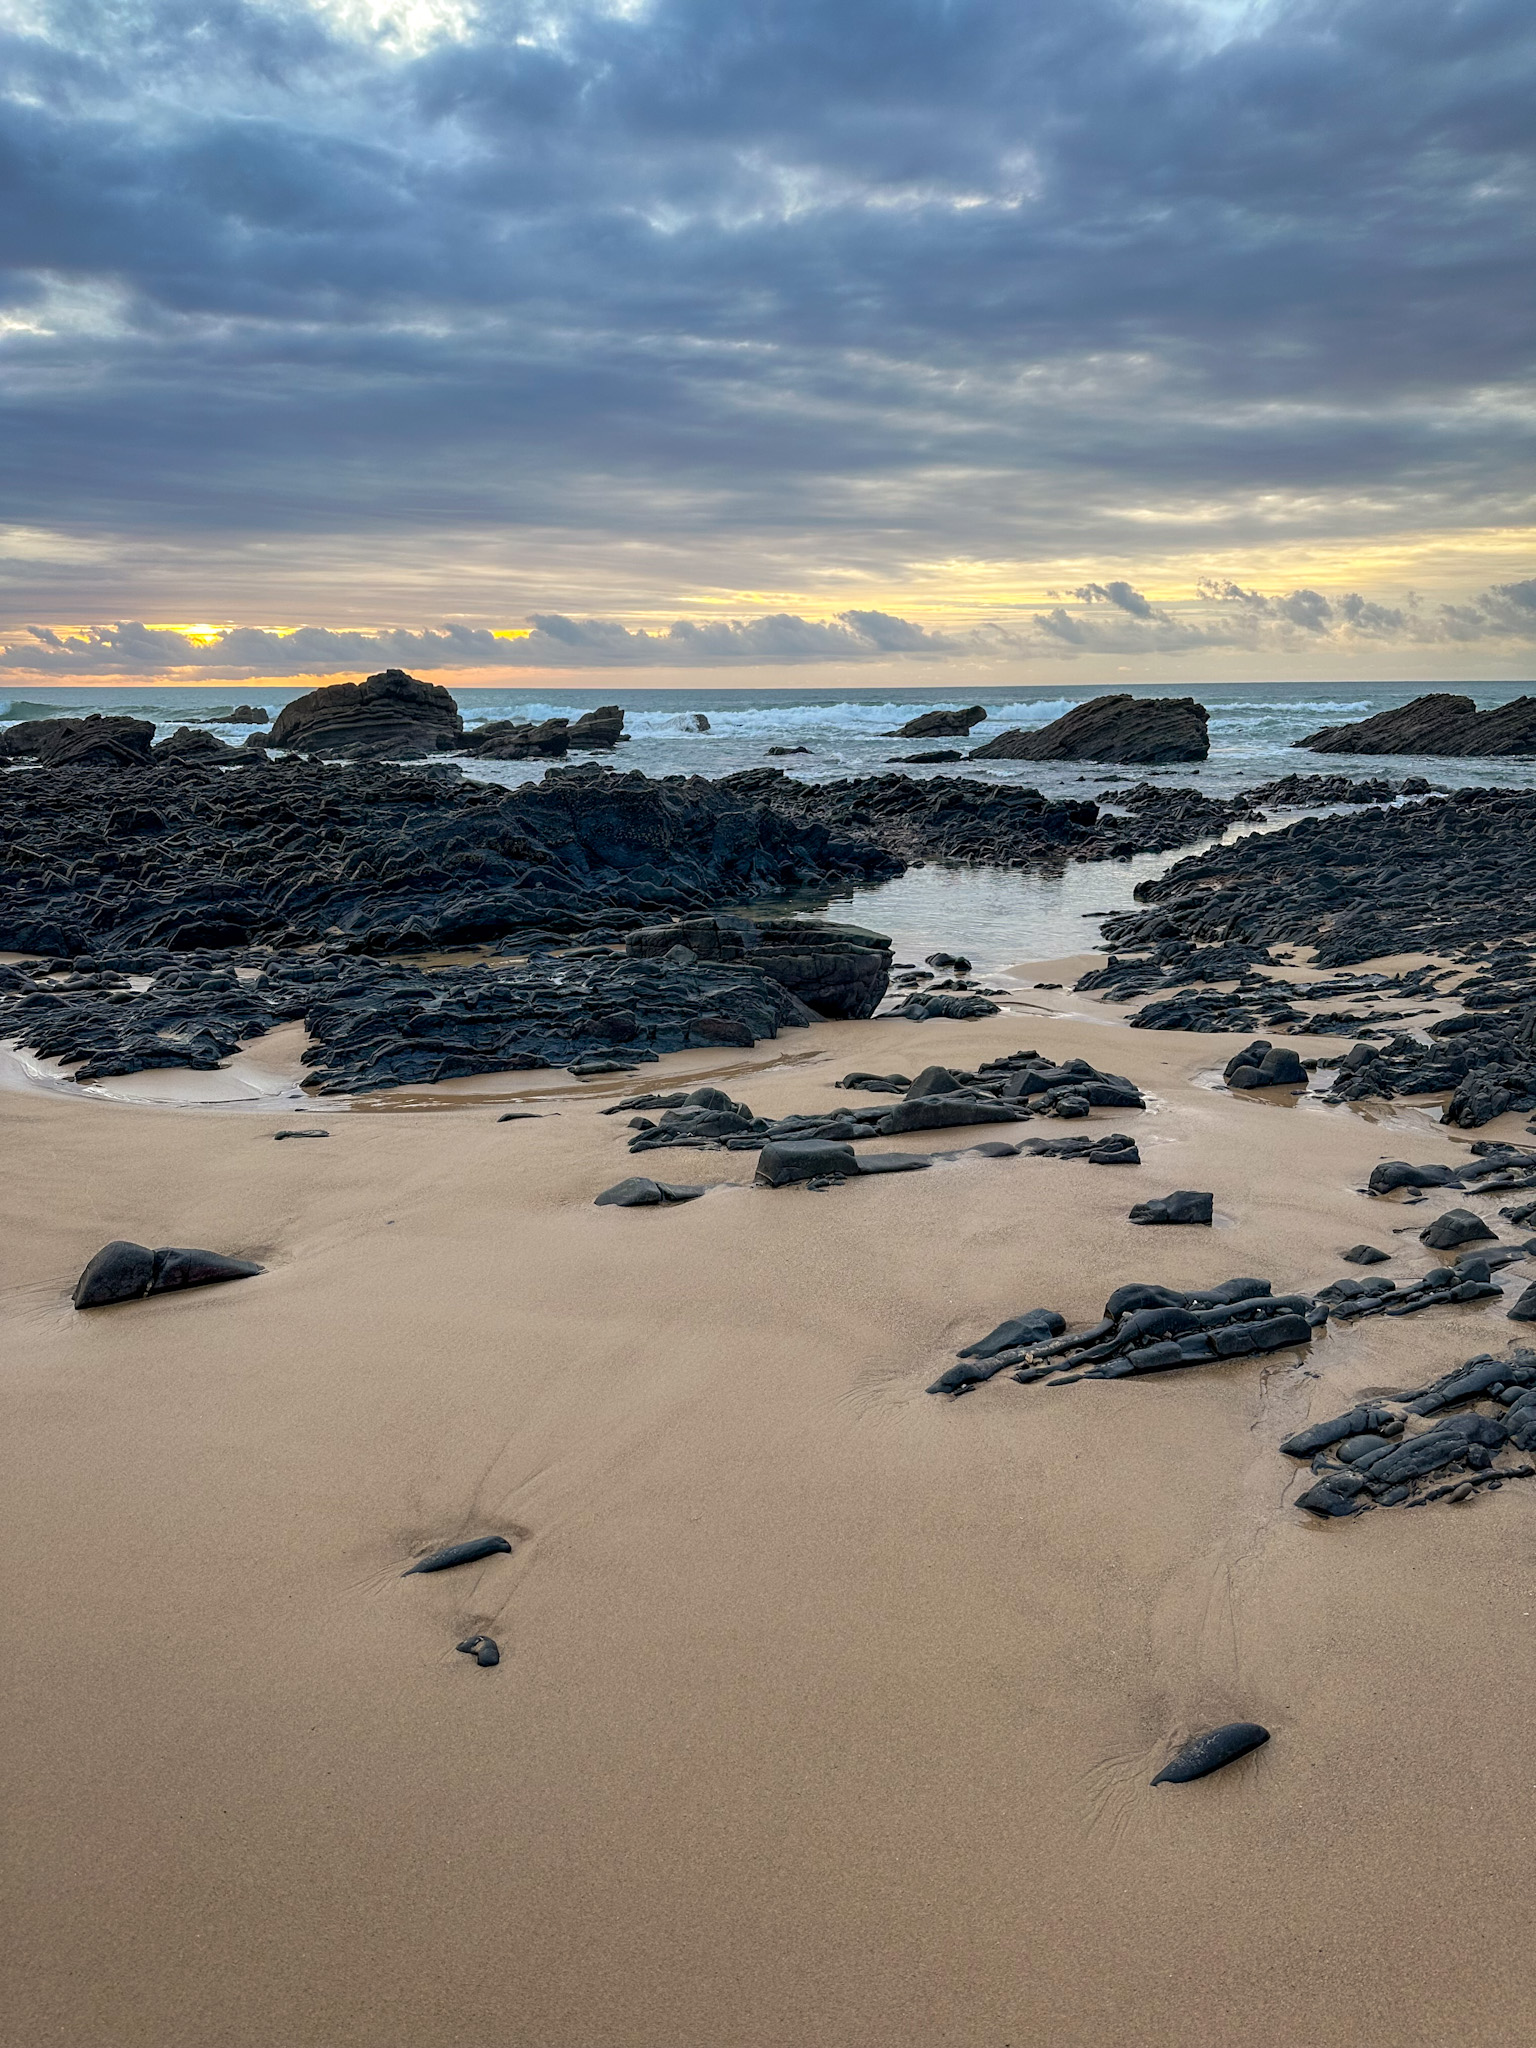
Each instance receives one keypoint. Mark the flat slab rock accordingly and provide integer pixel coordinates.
(1140, 730)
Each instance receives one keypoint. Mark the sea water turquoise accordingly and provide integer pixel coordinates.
(995, 916)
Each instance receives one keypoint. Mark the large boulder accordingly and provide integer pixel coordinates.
(388, 714)
(939, 725)
(1437, 724)
(1142, 730)
(837, 970)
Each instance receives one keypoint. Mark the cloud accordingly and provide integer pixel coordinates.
(840, 288)
(1226, 616)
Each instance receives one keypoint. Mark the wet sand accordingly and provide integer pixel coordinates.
(826, 1709)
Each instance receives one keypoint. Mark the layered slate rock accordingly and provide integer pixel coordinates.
(390, 713)
(1443, 724)
(382, 860)
(1143, 730)
(95, 742)
(961, 818)
(837, 970)
(1450, 875)
(940, 725)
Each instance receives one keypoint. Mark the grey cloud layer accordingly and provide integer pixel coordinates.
(1229, 617)
(920, 279)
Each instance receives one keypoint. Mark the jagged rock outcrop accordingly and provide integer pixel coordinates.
(95, 742)
(837, 970)
(1440, 723)
(389, 714)
(383, 859)
(961, 818)
(1450, 875)
(940, 725)
(1141, 730)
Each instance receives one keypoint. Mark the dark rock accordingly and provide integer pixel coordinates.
(782, 1163)
(1393, 1174)
(1443, 876)
(638, 1193)
(922, 1009)
(1142, 730)
(893, 1162)
(1364, 1255)
(177, 1267)
(1034, 1327)
(483, 1649)
(507, 739)
(771, 751)
(1184, 1205)
(1524, 1310)
(459, 1553)
(936, 725)
(92, 742)
(120, 1271)
(1211, 1752)
(1456, 1226)
(1138, 1295)
(1262, 1065)
(836, 970)
(306, 1133)
(1437, 724)
(601, 728)
(186, 743)
(933, 758)
(389, 713)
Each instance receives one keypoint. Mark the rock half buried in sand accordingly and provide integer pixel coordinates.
(482, 1648)
(780, 1165)
(122, 1271)
(1210, 1752)
(894, 1162)
(1456, 1226)
(1184, 1205)
(1524, 1310)
(458, 1553)
(1364, 1255)
(639, 1193)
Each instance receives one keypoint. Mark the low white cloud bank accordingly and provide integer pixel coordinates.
(1109, 618)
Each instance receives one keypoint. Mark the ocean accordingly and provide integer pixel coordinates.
(996, 917)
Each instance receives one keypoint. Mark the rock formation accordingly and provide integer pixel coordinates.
(1140, 730)
(93, 742)
(837, 970)
(388, 714)
(1437, 724)
(940, 725)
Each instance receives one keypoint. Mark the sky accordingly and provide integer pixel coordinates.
(872, 340)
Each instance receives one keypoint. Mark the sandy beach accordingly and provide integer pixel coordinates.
(827, 1709)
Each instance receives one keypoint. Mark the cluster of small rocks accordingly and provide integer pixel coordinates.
(1378, 1453)
(1008, 1090)
(1145, 1328)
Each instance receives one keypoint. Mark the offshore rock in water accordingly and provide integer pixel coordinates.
(1141, 730)
(1440, 723)
(940, 725)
